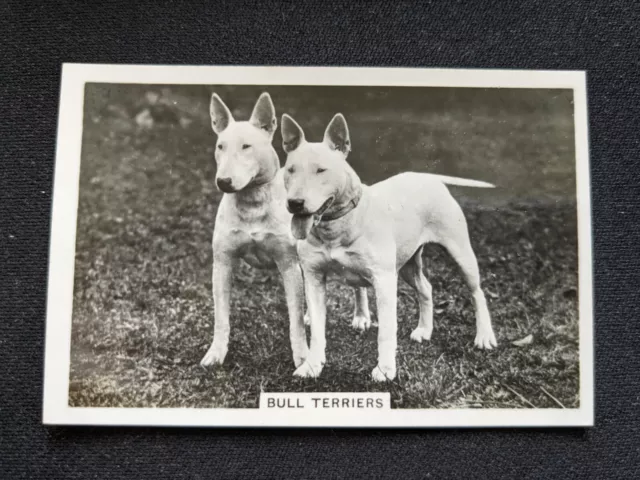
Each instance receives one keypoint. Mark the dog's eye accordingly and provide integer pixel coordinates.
(320, 170)
(246, 146)
(219, 146)
(291, 169)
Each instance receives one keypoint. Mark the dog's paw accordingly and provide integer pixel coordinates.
(308, 370)
(299, 358)
(383, 374)
(362, 323)
(420, 334)
(485, 339)
(307, 319)
(214, 356)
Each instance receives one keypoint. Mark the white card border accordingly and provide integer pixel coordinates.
(63, 231)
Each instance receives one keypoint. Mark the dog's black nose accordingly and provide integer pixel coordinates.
(224, 184)
(295, 205)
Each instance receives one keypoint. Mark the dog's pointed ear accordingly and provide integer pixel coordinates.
(264, 114)
(292, 134)
(337, 134)
(220, 115)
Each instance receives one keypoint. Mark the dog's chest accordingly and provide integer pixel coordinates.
(350, 266)
(258, 247)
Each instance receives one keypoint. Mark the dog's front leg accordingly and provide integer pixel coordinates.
(222, 278)
(386, 287)
(315, 289)
(294, 291)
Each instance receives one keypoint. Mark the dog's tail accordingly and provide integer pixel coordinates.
(460, 182)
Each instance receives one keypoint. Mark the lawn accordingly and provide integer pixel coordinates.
(143, 312)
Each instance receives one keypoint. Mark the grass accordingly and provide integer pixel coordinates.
(143, 313)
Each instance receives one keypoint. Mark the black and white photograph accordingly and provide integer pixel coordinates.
(294, 246)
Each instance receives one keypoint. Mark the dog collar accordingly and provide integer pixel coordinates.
(350, 205)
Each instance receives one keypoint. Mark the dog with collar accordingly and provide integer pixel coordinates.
(370, 235)
(253, 223)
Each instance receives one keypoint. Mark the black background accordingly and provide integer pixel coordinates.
(600, 37)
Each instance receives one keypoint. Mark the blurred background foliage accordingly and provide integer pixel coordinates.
(522, 140)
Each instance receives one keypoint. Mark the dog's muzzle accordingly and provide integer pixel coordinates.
(302, 222)
(323, 208)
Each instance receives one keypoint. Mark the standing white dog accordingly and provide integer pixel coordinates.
(369, 234)
(253, 223)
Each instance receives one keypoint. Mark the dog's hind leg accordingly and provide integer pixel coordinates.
(459, 247)
(361, 315)
(413, 274)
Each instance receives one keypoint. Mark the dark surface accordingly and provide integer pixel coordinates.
(600, 37)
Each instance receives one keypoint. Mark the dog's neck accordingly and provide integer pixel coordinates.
(254, 195)
(341, 223)
(347, 197)
(344, 205)
(253, 199)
